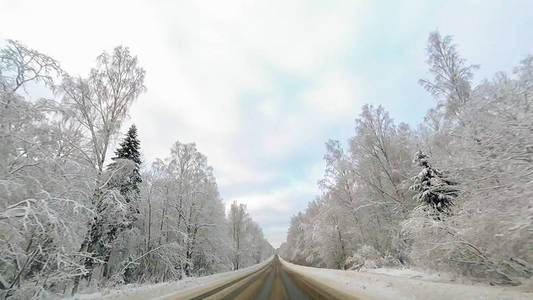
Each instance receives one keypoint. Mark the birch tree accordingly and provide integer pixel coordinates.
(100, 103)
(452, 83)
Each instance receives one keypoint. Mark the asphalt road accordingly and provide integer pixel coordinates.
(278, 285)
(269, 282)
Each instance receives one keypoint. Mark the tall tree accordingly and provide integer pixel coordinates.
(128, 150)
(124, 173)
(100, 104)
(452, 76)
(238, 217)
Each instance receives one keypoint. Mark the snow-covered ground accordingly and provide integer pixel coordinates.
(404, 284)
(416, 274)
(166, 289)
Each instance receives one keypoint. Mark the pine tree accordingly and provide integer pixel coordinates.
(129, 149)
(433, 188)
(128, 186)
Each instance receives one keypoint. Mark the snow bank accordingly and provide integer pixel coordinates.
(401, 285)
(413, 274)
(187, 286)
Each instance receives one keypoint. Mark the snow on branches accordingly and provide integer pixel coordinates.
(432, 187)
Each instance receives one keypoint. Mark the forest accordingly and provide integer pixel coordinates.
(453, 194)
(79, 209)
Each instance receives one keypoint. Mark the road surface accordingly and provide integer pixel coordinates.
(271, 281)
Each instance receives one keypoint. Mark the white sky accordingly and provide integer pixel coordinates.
(261, 85)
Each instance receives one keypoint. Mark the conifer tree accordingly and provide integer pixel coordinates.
(129, 149)
(127, 184)
(433, 188)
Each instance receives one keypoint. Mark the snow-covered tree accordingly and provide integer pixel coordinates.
(42, 179)
(129, 149)
(100, 103)
(432, 188)
(238, 218)
(452, 76)
(249, 244)
(124, 176)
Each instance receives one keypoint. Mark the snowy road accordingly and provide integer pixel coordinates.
(270, 282)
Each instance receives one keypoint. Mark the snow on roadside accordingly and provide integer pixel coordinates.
(413, 274)
(400, 284)
(152, 291)
(527, 285)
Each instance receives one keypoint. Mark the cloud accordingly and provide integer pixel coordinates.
(277, 200)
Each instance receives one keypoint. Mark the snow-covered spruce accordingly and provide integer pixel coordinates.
(433, 188)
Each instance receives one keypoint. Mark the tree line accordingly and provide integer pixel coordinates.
(453, 194)
(72, 217)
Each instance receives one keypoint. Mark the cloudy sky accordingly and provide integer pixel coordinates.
(260, 86)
